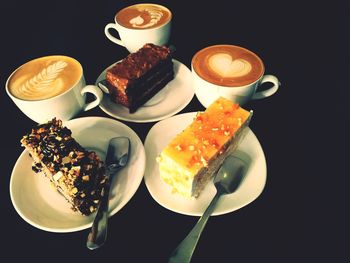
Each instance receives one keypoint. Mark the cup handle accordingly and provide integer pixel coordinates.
(96, 92)
(266, 93)
(110, 37)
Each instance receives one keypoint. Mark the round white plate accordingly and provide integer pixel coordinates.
(249, 150)
(170, 100)
(41, 206)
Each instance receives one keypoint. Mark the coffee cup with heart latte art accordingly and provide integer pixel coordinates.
(232, 72)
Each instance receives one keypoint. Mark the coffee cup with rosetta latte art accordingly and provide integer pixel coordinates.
(141, 24)
(232, 72)
(51, 86)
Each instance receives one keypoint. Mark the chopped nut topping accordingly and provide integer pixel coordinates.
(80, 155)
(76, 168)
(204, 161)
(56, 158)
(86, 178)
(191, 147)
(40, 130)
(57, 176)
(178, 147)
(66, 159)
(74, 190)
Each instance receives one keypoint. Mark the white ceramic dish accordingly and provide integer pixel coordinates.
(41, 206)
(249, 150)
(170, 100)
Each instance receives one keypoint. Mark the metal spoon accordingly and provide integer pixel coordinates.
(116, 158)
(226, 181)
(102, 84)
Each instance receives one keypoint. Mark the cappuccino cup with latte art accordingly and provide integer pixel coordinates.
(140, 24)
(232, 72)
(51, 86)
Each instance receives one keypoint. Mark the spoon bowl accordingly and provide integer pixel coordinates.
(226, 181)
(230, 175)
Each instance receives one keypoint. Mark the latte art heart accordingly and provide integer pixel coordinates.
(223, 65)
(227, 65)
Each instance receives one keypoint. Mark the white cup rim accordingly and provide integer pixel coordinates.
(47, 99)
(143, 29)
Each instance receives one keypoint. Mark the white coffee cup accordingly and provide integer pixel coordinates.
(51, 86)
(208, 63)
(133, 35)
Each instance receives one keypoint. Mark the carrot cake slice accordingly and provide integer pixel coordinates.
(192, 158)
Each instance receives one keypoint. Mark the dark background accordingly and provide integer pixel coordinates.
(300, 216)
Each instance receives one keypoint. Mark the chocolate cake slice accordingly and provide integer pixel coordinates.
(141, 75)
(78, 174)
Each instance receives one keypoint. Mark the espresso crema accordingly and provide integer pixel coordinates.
(143, 16)
(228, 65)
(45, 77)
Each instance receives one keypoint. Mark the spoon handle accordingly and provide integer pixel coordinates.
(98, 232)
(183, 253)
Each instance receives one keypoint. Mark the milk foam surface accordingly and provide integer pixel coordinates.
(143, 16)
(228, 65)
(44, 78)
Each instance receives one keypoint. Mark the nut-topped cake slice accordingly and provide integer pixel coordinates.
(192, 158)
(78, 174)
(138, 77)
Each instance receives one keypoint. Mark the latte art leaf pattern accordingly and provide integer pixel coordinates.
(45, 78)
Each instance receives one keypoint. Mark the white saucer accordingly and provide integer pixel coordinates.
(249, 150)
(170, 100)
(41, 206)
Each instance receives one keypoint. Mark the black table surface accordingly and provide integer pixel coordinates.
(300, 129)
